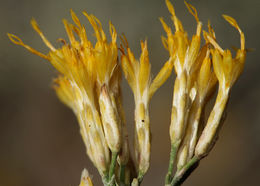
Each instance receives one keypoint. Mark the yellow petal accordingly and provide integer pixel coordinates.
(16, 40)
(69, 32)
(233, 22)
(192, 10)
(128, 72)
(217, 64)
(161, 77)
(166, 28)
(144, 68)
(38, 30)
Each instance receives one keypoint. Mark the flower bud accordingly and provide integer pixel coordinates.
(85, 179)
(110, 119)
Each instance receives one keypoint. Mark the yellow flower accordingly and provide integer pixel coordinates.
(138, 75)
(187, 57)
(198, 70)
(227, 70)
(89, 84)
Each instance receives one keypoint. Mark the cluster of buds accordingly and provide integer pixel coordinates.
(89, 83)
(198, 70)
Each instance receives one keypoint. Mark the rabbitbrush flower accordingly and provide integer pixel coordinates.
(89, 82)
(198, 69)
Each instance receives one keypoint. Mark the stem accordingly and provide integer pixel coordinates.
(181, 174)
(105, 179)
(122, 175)
(140, 177)
(112, 169)
(174, 149)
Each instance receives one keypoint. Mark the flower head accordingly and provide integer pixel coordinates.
(226, 68)
(227, 71)
(181, 49)
(89, 83)
(138, 74)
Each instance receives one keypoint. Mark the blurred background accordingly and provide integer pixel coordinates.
(40, 142)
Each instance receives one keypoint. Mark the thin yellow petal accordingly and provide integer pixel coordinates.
(161, 77)
(192, 10)
(165, 42)
(38, 30)
(75, 18)
(170, 7)
(112, 32)
(144, 68)
(128, 72)
(165, 27)
(16, 40)
(94, 25)
(211, 30)
(212, 41)
(69, 31)
(217, 64)
(228, 66)
(233, 22)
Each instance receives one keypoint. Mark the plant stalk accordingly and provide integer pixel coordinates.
(181, 174)
(111, 174)
(173, 153)
(122, 175)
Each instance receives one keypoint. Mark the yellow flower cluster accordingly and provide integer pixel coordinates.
(198, 70)
(89, 83)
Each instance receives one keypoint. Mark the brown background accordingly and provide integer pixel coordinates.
(39, 137)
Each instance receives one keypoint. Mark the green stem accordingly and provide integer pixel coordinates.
(112, 169)
(174, 149)
(122, 175)
(105, 179)
(179, 176)
(140, 177)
